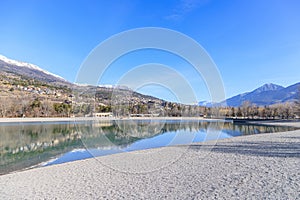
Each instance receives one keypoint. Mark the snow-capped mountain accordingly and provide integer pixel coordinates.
(13, 71)
(30, 71)
(267, 87)
(267, 94)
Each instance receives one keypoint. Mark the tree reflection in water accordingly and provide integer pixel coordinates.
(25, 145)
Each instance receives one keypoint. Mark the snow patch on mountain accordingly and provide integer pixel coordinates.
(268, 87)
(28, 65)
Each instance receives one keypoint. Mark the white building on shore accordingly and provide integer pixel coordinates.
(103, 114)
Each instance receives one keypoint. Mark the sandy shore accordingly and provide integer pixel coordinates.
(264, 166)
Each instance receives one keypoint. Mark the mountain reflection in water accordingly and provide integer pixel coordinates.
(24, 145)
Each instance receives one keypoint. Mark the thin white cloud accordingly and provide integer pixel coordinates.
(184, 7)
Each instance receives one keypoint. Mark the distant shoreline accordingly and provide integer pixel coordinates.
(76, 119)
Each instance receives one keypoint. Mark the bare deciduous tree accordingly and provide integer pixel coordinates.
(297, 104)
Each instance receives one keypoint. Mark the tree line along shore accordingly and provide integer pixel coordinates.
(43, 107)
(22, 97)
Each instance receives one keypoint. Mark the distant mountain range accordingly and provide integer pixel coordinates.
(267, 94)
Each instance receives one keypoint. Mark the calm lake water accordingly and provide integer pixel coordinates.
(26, 145)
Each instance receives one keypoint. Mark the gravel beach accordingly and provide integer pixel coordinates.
(264, 166)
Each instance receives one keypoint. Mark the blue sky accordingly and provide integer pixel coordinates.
(252, 42)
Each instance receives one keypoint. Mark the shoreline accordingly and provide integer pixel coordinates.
(76, 119)
(261, 166)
